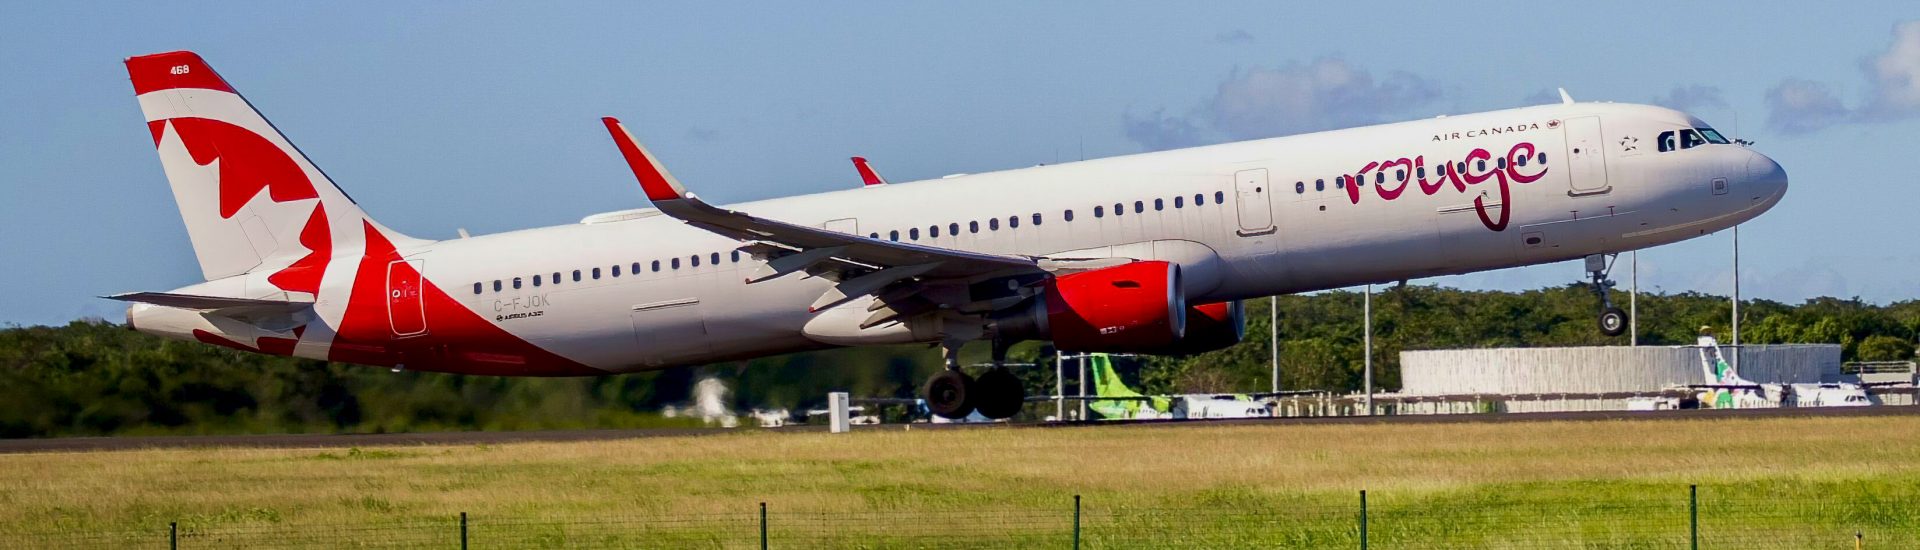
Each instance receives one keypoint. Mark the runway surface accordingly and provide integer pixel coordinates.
(83, 444)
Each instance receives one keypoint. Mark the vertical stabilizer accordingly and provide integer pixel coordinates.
(251, 201)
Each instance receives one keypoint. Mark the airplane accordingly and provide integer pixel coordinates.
(1115, 401)
(1726, 389)
(1145, 253)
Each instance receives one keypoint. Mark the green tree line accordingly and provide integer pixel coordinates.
(96, 378)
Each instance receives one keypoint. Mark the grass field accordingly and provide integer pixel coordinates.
(1776, 482)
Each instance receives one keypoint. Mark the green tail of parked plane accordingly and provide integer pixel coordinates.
(1128, 404)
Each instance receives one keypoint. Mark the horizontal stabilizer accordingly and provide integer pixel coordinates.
(217, 304)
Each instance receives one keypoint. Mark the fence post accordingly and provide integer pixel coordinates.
(763, 526)
(1693, 516)
(463, 531)
(173, 535)
(1363, 519)
(1076, 522)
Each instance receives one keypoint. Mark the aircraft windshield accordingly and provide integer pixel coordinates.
(1713, 136)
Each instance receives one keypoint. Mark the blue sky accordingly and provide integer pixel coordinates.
(437, 116)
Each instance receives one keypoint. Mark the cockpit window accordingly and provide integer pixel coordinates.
(1713, 136)
(1690, 139)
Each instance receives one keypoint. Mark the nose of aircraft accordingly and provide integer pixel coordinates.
(1765, 177)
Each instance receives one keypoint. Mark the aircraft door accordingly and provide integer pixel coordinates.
(406, 309)
(1586, 156)
(1251, 190)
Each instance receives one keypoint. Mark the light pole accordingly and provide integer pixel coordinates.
(1633, 301)
(1367, 375)
(1736, 298)
(1273, 331)
(1059, 388)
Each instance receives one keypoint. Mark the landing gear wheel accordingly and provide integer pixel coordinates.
(950, 394)
(999, 394)
(1613, 321)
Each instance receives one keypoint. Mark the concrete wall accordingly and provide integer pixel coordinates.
(1602, 369)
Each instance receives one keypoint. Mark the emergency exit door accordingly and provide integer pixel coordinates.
(1251, 192)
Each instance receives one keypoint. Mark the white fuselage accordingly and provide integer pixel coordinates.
(1245, 219)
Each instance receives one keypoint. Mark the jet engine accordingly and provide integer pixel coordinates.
(1211, 327)
(1135, 307)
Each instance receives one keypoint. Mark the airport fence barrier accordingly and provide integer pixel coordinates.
(1686, 517)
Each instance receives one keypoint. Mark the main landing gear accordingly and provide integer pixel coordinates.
(1613, 320)
(996, 394)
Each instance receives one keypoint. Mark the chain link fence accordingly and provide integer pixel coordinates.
(1683, 518)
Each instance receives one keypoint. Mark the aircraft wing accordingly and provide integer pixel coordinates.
(792, 247)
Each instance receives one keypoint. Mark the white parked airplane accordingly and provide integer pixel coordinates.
(1147, 253)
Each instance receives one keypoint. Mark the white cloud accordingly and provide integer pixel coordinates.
(1802, 106)
(1326, 94)
(1799, 106)
(1895, 76)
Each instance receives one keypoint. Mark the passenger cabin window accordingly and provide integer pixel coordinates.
(536, 280)
(516, 283)
(1139, 206)
(1299, 187)
(1179, 202)
(476, 288)
(596, 273)
(933, 231)
(1036, 218)
(993, 224)
(1119, 209)
(616, 271)
(1199, 200)
(953, 229)
(1068, 215)
(1013, 222)
(496, 285)
(1219, 197)
(893, 235)
(676, 263)
(693, 261)
(714, 257)
(576, 275)
(656, 266)
(735, 257)
(1158, 205)
(973, 227)
(1319, 185)
(913, 234)
(1099, 211)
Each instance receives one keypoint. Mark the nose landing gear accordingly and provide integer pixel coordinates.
(1613, 320)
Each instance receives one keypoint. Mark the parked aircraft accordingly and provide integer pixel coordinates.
(1146, 253)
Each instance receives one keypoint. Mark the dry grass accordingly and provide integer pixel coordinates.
(1838, 468)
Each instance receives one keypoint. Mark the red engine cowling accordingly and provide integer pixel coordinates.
(1211, 327)
(1136, 307)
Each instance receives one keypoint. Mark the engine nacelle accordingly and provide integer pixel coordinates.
(1136, 307)
(1211, 327)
